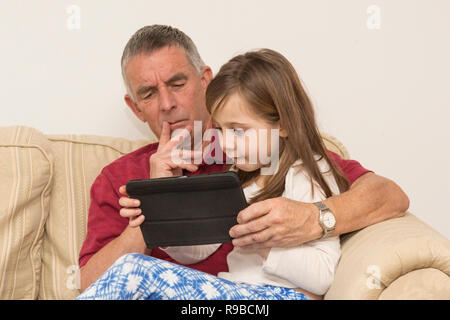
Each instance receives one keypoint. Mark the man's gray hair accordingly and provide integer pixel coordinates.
(150, 38)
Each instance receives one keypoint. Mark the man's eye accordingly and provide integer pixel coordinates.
(148, 96)
(178, 85)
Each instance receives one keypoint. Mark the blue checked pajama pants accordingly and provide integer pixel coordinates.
(136, 276)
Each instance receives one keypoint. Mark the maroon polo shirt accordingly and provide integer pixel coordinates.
(106, 224)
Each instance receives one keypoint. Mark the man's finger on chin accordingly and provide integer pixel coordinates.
(165, 133)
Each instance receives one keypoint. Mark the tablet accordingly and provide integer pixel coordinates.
(188, 210)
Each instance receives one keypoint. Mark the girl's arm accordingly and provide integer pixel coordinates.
(310, 266)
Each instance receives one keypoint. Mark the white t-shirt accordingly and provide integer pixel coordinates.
(310, 266)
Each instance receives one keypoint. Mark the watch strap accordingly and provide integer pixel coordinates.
(322, 208)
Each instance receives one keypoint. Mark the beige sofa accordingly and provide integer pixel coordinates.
(45, 184)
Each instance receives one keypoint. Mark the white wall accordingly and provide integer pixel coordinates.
(385, 93)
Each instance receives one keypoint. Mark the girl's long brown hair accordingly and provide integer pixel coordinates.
(272, 88)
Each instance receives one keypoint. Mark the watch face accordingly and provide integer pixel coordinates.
(328, 220)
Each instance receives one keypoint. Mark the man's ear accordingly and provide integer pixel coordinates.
(206, 76)
(133, 106)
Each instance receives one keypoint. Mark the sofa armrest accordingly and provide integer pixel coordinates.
(421, 284)
(375, 257)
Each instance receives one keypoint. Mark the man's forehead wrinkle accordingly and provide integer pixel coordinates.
(152, 70)
(151, 77)
(138, 78)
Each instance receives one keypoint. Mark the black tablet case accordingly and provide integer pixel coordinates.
(188, 210)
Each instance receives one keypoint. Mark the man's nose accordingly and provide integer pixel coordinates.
(167, 100)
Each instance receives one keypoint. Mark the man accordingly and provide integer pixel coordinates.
(166, 82)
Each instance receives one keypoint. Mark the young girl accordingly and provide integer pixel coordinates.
(258, 91)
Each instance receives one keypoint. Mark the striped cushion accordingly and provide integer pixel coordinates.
(26, 174)
(78, 159)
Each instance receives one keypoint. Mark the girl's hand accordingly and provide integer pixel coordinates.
(130, 209)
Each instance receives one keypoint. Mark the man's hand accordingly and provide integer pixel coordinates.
(130, 208)
(282, 222)
(131, 211)
(130, 240)
(162, 163)
(277, 222)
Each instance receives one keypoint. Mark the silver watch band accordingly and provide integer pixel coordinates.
(322, 208)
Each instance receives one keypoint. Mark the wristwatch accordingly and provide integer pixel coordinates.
(327, 219)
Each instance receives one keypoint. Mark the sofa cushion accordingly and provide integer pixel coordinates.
(78, 159)
(26, 172)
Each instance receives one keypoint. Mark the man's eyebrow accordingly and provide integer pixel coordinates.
(177, 77)
(145, 89)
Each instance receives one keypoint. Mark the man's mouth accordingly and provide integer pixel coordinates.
(177, 124)
(173, 122)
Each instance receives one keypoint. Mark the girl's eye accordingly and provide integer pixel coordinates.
(239, 132)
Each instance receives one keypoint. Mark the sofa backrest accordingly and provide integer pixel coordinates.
(26, 174)
(78, 159)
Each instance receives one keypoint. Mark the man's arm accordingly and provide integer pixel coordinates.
(109, 235)
(282, 222)
(370, 199)
(130, 241)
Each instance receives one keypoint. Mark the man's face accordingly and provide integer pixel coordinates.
(166, 87)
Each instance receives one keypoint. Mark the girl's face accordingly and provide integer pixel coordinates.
(251, 141)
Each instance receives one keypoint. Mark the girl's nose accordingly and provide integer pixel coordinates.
(228, 143)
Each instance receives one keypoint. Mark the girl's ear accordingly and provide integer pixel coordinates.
(283, 132)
